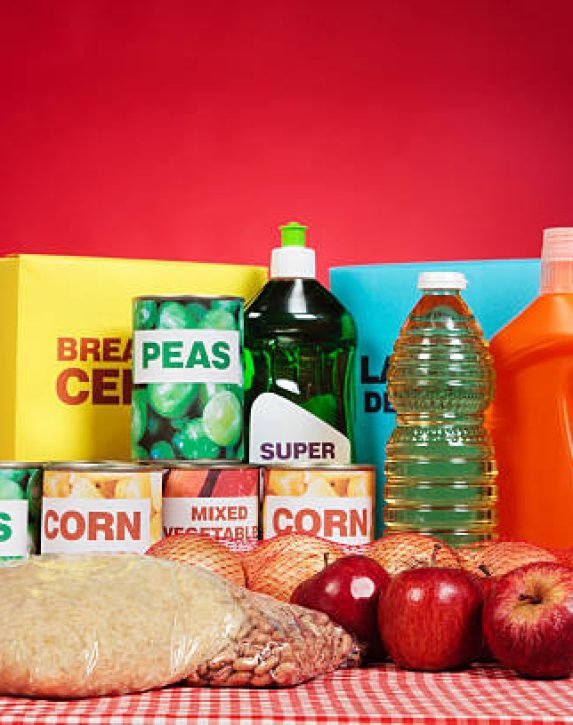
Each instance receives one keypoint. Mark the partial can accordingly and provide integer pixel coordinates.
(100, 507)
(221, 501)
(20, 507)
(333, 502)
(187, 401)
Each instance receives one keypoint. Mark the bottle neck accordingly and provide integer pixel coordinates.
(556, 276)
(441, 292)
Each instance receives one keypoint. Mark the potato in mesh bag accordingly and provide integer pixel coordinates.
(101, 625)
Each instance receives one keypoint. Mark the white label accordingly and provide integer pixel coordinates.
(13, 528)
(345, 520)
(230, 520)
(78, 526)
(282, 432)
(187, 356)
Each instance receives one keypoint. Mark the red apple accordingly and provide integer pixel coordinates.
(528, 620)
(348, 591)
(430, 619)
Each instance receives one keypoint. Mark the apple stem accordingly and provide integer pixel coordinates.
(434, 555)
(529, 598)
(325, 555)
(483, 568)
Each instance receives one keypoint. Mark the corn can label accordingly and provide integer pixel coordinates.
(100, 511)
(219, 502)
(20, 505)
(335, 504)
(187, 401)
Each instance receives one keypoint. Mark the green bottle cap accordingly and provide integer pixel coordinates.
(293, 235)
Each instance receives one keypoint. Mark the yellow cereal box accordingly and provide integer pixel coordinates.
(65, 337)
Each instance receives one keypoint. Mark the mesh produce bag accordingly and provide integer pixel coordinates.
(104, 625)
(202, 551)
(497, 558)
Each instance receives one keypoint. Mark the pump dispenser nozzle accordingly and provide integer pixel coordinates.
(293, 259)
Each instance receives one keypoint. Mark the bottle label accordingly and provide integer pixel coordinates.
(187, 356)
(14, 528)
(283, 432)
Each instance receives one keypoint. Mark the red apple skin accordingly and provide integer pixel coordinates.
(528, 620)
(348, 590)
(430, 619)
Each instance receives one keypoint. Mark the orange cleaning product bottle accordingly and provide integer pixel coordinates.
(532, 416)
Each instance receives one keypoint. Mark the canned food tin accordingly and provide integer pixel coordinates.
(188, 378)
(100, 507)
(334, 502)
(220, 501)
(20, 506)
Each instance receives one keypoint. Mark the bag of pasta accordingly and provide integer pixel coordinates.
(103, 625)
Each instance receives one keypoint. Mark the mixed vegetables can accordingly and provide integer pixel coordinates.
(100, 507)
(187, 399)
(221, 501)
(334, 502)
(20, 509)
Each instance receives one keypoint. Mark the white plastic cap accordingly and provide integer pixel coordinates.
(557, 261)
(442, 280)
(557, 243)
(288, 262)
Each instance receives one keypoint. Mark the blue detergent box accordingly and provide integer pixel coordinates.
(380, 298)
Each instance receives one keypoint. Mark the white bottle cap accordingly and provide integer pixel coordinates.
(293, 259)
(557, 261)
(442, 280)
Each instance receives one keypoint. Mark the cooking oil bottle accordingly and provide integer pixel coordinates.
(300, 347)
(440, 467)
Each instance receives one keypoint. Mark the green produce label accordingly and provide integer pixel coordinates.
(187, 356)
(13, 528)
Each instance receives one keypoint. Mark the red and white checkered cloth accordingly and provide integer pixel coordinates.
(373, 695)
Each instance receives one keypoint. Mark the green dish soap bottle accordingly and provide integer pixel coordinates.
(300, 345)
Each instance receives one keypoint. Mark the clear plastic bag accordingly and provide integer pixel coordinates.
(101, 625)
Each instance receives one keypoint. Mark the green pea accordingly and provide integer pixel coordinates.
(172, 400)
(34, 495)
(228, 305)
(144, 315)
(219, 320)
(209, 390)
(195, 314)
(138, 414)
(139, 452)
(173, 316)
(223, 419)
(162, 451)
(191, 442)
(10, 489)
(15, 474)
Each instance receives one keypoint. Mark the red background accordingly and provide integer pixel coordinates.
(399, 130)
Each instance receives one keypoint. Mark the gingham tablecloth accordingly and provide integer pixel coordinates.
(373, 695)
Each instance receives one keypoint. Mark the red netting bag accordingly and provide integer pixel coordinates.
(279, 564)
(203, 551)
(397, 552)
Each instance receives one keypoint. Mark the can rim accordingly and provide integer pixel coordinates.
(307, 465)
(198, 464)
(21, 464)
(102, 466)
(170, 298)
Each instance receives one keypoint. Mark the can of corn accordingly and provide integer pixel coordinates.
(100, 507)
(333, 502)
